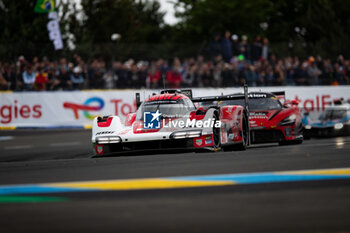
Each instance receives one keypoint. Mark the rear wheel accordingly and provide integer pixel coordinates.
(244, 134)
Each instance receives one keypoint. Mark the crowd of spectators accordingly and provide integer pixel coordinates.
(233, 62)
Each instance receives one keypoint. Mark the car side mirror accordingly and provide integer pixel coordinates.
(295, 102)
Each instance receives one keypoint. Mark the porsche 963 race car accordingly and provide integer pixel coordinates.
(171, 120)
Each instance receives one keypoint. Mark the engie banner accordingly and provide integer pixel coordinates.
(78, 108)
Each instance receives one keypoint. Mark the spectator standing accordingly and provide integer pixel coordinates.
(62, 79)
(235, 45)
(134, 77)
(226, 47)
(142, 73)
(76, 78)
(215, 46)
(217, 72)
(154, 76)
(28, 78)
(265, 49)
(269, 76)
(3, 82)
(339, 75)
(190, 76)
(10, 75)
(251, 75)
(97, 79)
(41, 80)
(313, 72)
(256, 49)
(279, 77)
(174, 76)
(206, 76)
(110, 80)
(244, 48)
(228, 79)
(301, 74)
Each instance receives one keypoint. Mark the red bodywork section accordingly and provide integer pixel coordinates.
(130, 118)
(231, 118)
(166, 97)
(271, 120)
(105, 123)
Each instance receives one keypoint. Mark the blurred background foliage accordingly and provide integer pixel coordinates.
(293, 27)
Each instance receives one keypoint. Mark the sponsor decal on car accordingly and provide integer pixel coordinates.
(188, 123)
(104, 132)
(258, 115)
(199, 142)
(151, 120)
(99, 149)
(124, 132)
(208, 142)
(257, 95)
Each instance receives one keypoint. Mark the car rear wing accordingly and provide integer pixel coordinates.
(186, 92)
(138, 100)
(243, 96)
(226, 97)
(281, 95)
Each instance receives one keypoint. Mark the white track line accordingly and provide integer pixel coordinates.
(64, 144)
(5, 138)
(18, 147)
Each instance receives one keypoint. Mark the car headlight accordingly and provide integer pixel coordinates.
(289, 120)
(307, 126)
(186, 134)
(338, 126)
(107, 140)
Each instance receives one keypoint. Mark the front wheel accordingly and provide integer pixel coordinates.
(216, 134)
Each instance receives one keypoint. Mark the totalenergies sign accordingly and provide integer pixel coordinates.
(93, 105)
(18, 111)
(78, 108)
(86, 108)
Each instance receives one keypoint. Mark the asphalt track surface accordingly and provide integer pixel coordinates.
(46, 156)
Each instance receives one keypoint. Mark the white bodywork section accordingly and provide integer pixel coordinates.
(117, 128)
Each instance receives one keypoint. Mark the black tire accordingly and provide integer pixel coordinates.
(216, 133)
(292, 142)
(241, 146)
(245, 134)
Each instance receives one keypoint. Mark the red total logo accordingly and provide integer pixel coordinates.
(17, 111)
(121, 108)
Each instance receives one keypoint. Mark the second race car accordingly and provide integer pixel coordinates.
(270, 120)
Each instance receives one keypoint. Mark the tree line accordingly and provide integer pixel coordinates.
(293, 27)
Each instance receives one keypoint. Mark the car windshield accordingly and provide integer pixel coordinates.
(333, 114)
(256, 104)
(167, 109)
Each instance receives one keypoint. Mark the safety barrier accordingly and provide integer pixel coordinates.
(76, 109)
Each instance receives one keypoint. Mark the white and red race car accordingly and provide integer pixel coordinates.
(170, 120)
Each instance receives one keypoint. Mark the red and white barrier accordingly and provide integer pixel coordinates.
(78, 108)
